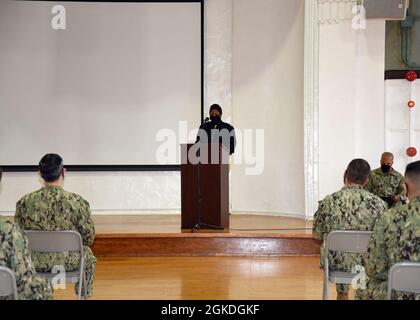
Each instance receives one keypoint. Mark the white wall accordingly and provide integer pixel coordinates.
(218, 55)
(254, 68)
(260, 86)
(267, 93)
(120, 191)
(351, 98)
(157, 192)
(109, 68)
(397, 121)
(107, 192)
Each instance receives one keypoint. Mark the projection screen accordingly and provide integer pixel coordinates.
(99, 91)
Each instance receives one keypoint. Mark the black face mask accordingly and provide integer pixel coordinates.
(385, 168)
(215, 119)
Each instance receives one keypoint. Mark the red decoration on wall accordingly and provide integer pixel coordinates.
(411, 75)
(411, 152)
(411, 104)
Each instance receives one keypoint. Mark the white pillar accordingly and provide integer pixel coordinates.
(311, 98)
(218, 55)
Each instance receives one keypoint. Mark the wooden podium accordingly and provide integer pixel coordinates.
(204, 186)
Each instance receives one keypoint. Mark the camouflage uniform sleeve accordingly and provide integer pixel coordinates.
(401, 191)
(17, 257)
(85, 225)
(376, 259)
(380, 208)
(20, 208)
(20, 257)
(319, 228)
(369, 186)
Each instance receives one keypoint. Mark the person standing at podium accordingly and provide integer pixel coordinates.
(216, 130)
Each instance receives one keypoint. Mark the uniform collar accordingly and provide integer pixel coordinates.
(390, 173)
(357, 187)
(51, 187)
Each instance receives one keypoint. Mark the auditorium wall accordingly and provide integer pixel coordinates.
(253, 68)
(351, 98)
(267, 93)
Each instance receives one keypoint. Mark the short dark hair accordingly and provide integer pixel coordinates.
(51, 167)
(413, 170)
(1, 172)
(216, 107)
(358, 171)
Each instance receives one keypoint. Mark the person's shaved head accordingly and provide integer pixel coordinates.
(387, 155)
(412, 180)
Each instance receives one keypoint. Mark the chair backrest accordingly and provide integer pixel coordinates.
(54, 241)
(58, 241)
(404, 277)
(8, 283)
(348, 241)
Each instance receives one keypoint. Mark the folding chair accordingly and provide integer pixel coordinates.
(8, 285)
(56, 242)
(344, 242)
(404, 277)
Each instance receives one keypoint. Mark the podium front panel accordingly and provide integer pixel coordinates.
(205, 187)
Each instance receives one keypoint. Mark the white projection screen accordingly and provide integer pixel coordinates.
(99, 91)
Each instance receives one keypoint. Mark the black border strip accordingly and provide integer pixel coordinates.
(398, 74)
(110, 168)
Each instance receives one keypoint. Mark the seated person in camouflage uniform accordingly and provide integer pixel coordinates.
(387, 183)
(53, 209)
(351, 208)
(14, 254)
(396, 238)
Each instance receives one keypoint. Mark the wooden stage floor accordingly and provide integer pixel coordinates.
(171, 223)
(161, 235)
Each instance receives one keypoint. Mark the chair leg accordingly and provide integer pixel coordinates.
(325, 291)
(85, 285)
(79, 291)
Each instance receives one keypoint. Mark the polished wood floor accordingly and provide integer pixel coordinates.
(171, 223)
(209, 278)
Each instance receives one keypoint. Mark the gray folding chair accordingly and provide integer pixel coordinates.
(344, 242)
(8, 283)
(404, 277)
(60, 241)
